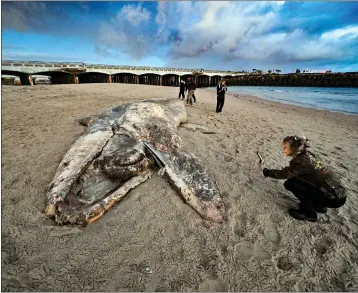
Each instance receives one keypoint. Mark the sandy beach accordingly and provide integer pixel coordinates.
(260, 248)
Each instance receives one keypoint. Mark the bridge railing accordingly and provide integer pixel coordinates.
(105, 66)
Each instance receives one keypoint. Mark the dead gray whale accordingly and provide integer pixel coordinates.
(121, 149)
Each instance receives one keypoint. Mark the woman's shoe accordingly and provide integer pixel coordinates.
(321, 210)
(297, 214)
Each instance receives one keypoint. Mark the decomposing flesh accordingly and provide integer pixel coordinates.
(118, 151)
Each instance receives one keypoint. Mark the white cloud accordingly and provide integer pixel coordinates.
(234, 31)
(161, 20)
(225, 32)
(135, 15)
(223, 26)
(171, 16)
(127, 31)
(286, 47)
(348, 31)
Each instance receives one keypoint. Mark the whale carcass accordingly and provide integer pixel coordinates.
(120, 149)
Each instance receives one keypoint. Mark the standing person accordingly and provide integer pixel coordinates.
(220, 90)
(191, 87)
(182, 89)
(315, 185)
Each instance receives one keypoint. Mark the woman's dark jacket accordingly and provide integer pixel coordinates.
(220, 90)
(182, 87)
(308, 168)
(191, 85)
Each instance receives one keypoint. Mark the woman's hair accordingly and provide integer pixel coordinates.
(298, 144)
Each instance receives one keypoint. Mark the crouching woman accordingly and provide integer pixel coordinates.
(315, 185)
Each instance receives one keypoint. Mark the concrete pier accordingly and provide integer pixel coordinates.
(170, 80)
(89, 73)
(26, 79)
(150, 79)
(93, 77)
(125, 78)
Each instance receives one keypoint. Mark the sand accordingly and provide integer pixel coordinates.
(152, 241)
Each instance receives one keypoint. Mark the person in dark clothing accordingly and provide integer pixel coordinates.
(191, 87)
(220, 90)
(315, 185)
(182, 89)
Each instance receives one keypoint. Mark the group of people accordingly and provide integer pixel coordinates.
(190, 86)
(315, 186)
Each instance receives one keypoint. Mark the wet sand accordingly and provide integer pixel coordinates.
(260, 249)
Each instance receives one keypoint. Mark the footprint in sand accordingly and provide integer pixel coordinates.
(272, 234)
(321, 250)
(338, 148)
(243, 178)
(247, 250)
(210, 285)
(343, 166)
(283, 263)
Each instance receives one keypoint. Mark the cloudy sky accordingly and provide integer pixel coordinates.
(210, 35)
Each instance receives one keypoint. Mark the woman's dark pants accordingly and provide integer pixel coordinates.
(310, 197)
(220, 103)
(181, 93)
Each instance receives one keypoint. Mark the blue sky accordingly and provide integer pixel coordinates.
(206, 34)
